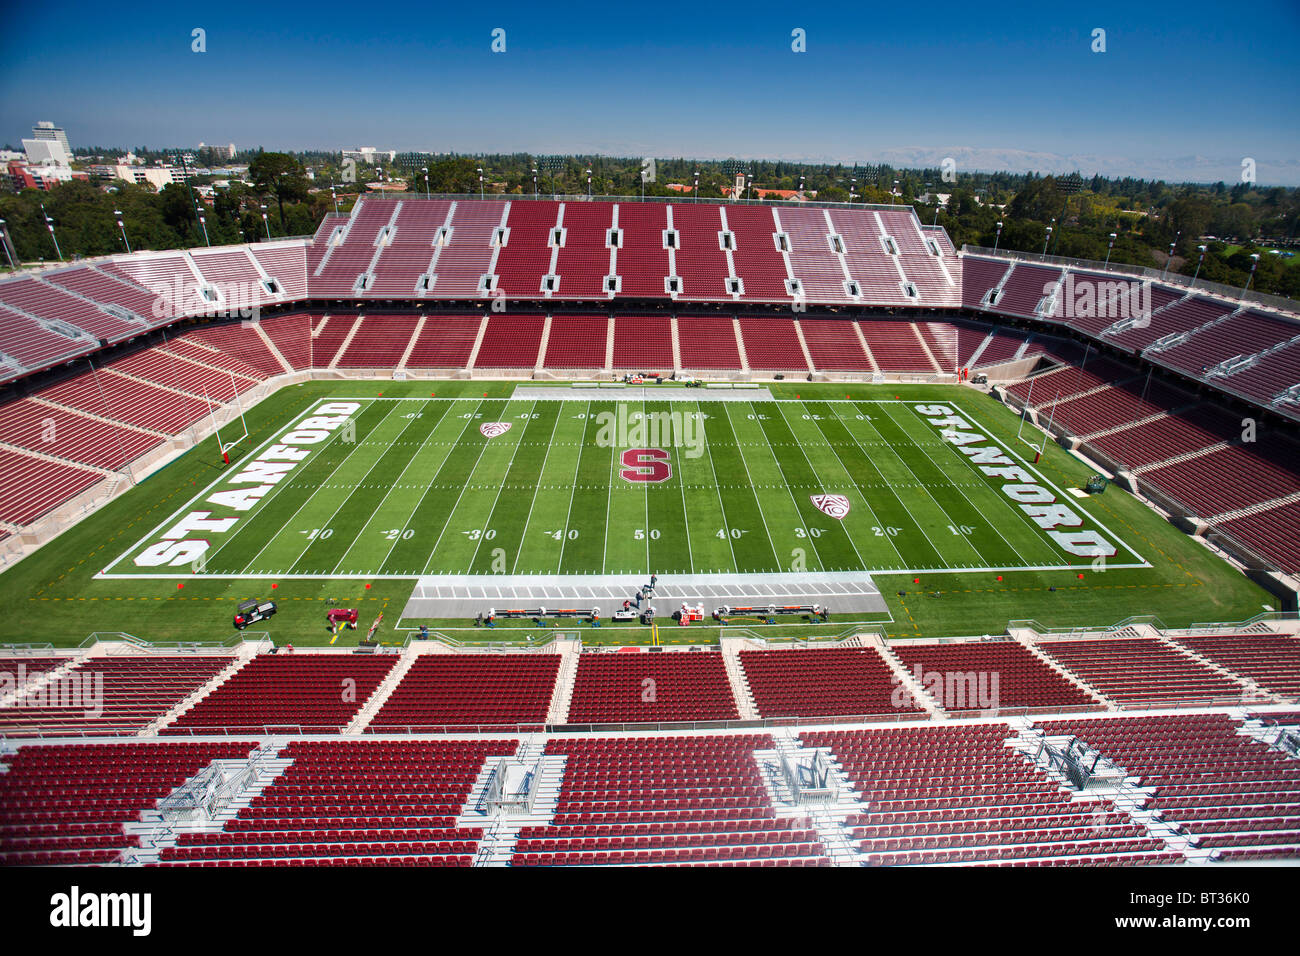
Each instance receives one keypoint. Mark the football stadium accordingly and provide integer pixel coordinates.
(549, 529)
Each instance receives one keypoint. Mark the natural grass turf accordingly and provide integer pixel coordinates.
(53, 597)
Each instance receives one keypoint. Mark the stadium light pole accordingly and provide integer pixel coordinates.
(4, 240)
(1199, 260)
(49, 224)
(203, 224)
(1170, 257)
(427, 194)
(1109, 246)
(480, 182)
(534, 182)
(588, 182)
(335, 197)
(266, 222)
(695, 193)
(1254, 261)
(1046, 239)
(997, 237)
(853, 188)
(120, 225)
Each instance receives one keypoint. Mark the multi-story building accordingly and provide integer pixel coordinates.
(48, 132)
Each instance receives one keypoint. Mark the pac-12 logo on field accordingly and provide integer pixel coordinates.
(493, 429)
(837, 506)
(646, 464)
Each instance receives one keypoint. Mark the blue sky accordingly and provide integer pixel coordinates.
(1183, 91)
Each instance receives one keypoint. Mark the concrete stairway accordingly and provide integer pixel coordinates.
(372, 706)
(243, 657)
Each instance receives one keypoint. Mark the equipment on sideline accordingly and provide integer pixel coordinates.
(250, 612)
(815, 610)
(538, 613)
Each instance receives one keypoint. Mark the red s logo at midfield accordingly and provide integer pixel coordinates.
(646, 464)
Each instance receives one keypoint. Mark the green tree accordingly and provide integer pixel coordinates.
(280, 176)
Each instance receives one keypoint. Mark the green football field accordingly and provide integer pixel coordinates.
(914, 481)
(374, 487)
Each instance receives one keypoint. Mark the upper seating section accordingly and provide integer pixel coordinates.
(110, 695)
(754, 255)
(979, 276)
(1025, 289)
(818, 683)
(107, 289)
(529, 249)
(1271, 660)
(1004, 674)
(30, 345)
(700, 258)
(1140, 670)
(466, 255)
(344, 262)
(408, 255)
(651, 687)
(643, 256)
(921, 259)
(319, 693)
(1244, 334)
(48, 302)
(813, 260)
(454, 690)
(582, 262)
(871, 265)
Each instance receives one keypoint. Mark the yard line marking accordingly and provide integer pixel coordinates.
(346, 458)
(189, 505)
(901, 500)
(407, 523)
(797, 510)
(750, 482)
(613, 457)
(497, 497)
(523, 537)
(866, 503)
(346, 498)
(646, 491)
(452, 513)
(1014, 550)
(808, 461)
(391, 488)
(721, 507)
(573, 486)
(686, 520)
